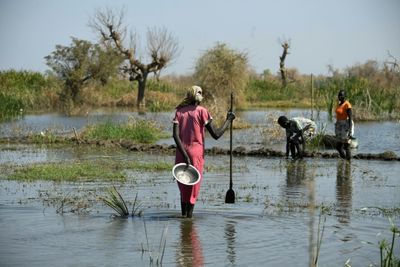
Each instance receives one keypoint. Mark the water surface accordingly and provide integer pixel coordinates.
(274, 221)
(373, 137)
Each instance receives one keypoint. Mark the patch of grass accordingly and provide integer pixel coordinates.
(73, 172)
(9, 148)
(109, 170)
(45, 138)
(150, 166)
(115, 201)
(139, 131)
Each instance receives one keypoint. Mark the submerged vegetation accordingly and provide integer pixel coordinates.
(387, 255)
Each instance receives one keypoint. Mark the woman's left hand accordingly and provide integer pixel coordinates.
(230, 116)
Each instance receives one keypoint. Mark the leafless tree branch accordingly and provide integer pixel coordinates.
(162, 47)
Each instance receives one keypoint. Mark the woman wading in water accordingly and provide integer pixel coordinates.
(343, 126)
(189, 126)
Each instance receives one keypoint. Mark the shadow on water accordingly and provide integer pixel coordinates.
(230, 236)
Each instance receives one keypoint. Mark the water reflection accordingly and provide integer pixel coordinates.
(295, 190)
(300, 188)
(343, 191)
(295, 173)
(230, 236)
(189, 251)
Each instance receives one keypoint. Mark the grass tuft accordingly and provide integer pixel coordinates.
(115, 201)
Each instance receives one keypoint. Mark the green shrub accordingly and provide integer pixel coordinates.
(32, 90)
(20, 81)
(10, 107)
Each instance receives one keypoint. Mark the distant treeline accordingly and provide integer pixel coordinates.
(373, 90)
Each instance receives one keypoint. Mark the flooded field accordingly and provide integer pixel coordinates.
(373, 137)
(281, 207)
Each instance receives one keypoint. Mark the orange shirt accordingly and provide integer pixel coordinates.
(341, 111)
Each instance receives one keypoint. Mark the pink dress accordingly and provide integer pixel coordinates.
(192, 121)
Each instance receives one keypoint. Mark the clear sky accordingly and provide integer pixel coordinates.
(340, 33)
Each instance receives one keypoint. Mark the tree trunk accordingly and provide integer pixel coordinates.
(141, 103)
(282, 63)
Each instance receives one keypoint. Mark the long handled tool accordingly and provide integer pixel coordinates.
(230, 195)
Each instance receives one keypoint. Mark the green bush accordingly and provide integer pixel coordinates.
(10, 107)
(31, 90)
(22, 81)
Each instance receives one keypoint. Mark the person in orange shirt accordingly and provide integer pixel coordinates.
(343, 126)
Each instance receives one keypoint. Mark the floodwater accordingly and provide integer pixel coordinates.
(373, 137)
(274, 221)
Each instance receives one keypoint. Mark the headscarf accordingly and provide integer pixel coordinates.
(193, 95)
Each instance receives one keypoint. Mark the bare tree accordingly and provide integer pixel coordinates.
(162, 48)
(393, 62)
(285, 45)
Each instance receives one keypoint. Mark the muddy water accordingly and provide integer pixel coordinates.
(274, 221)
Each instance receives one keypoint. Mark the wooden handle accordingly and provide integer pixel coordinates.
(230, 146)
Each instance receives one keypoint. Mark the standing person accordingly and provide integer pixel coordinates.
(297, 131)
(189, 126)
(343, 126)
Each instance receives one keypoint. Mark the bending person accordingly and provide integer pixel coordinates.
(297, 131)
